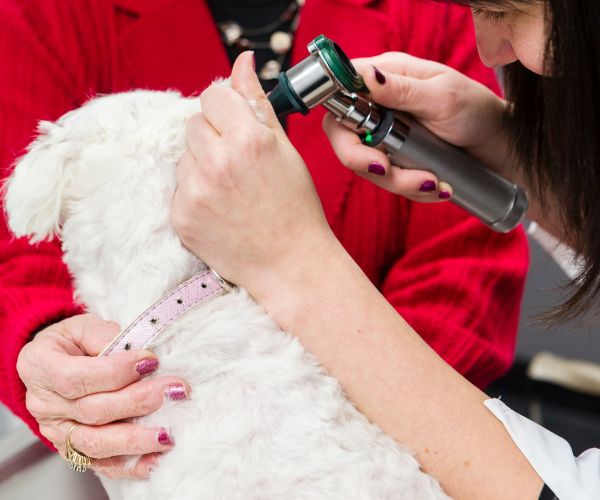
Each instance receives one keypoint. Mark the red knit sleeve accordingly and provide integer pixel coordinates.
(34, 283)
(458, 284)
(35, 291)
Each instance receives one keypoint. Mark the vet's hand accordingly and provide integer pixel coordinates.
(67, 384)
(456, 108)
(245, 200)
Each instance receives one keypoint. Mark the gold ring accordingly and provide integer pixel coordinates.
(79, 462)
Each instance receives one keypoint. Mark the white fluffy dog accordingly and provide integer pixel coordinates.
(264, 420)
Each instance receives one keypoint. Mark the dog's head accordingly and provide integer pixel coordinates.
(102, 150)
(102, 178)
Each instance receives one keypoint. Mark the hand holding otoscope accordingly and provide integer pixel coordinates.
(327, 77)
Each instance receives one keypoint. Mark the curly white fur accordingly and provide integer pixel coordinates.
(264, 421)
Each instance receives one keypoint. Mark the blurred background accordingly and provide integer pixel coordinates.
(562, 394)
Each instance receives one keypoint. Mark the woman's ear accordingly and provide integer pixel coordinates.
(34, 192)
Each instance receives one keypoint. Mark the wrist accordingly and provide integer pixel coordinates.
(295, 271)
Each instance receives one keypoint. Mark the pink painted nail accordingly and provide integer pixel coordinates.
(164, 438)
(146, 366)
(444, 195)
(176, 392)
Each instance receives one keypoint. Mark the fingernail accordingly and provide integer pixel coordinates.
(428, 186)
(254, 61)
(176, 392)
(376, 168)
(146, 366)
(444, 195)
(379, 76)
(164, 438)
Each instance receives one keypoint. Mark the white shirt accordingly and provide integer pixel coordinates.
(569, 477)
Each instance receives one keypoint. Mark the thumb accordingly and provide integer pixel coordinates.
(245, 81)
(404, 93)
(90, 333)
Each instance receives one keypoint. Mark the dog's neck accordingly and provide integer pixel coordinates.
(118, 278)
(121, 293)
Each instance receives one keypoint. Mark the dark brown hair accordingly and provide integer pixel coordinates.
(555, 125)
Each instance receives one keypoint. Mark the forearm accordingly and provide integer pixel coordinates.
(449, 262)
(394, 378)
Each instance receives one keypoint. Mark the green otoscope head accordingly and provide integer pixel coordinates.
(324, 73)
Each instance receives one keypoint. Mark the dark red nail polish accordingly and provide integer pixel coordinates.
(428, 186)
(146, 366)
(444, 195)
(379, 76)
(376, 168)
(164, 438)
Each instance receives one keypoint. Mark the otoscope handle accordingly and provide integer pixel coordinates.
(496, 201)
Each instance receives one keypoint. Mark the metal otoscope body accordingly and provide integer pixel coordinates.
(327, 77)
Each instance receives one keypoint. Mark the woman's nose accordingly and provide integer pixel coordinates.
(493, 43)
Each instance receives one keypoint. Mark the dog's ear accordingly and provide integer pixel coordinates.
(34, 192)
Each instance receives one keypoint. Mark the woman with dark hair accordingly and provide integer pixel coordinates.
(61, 52)
(255, 199)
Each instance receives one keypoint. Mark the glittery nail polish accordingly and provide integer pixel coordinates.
(146, 366)
(379, 76)
(444, 195)
(428, 186)
(376, 168)
(164, 438)
(176, 392)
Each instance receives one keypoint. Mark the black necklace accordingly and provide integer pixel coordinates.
(273, 40)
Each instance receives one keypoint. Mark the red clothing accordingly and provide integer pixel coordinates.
(456, 282)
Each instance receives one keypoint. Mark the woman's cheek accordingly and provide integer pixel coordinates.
(493, 42)
(529, 38)
(531, 55)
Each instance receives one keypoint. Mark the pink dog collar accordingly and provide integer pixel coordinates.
(198, 289)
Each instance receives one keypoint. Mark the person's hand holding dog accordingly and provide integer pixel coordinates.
(245, 201)
(67, 383)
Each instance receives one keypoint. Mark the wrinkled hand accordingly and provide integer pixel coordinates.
(67, 384)
(245, 201)
(459, 110)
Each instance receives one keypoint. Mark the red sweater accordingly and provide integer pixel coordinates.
(456, 282)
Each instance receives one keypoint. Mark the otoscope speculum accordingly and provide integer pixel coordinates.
(324, 73)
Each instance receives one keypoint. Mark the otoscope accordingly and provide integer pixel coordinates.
(328, 77)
